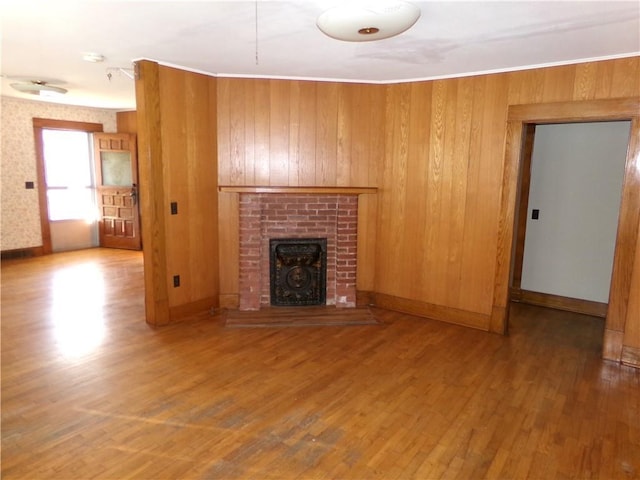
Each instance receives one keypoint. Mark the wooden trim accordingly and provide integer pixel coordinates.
(630, 356)
(188, 310)
(22, 253)
(38, 125)
(581, 111)
(67, 125)
(523, 203)
(312, 190)
(576, 305)
(429, 310)
(43, 203)
(612, 344)
(624, 256)
(499, 312)
(627, 235)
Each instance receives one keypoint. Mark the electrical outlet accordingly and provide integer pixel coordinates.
(174, 208)
(535, 214)
(176, 281)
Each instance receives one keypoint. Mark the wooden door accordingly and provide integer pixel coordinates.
(117, 187)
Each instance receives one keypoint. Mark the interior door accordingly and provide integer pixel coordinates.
(117, 187)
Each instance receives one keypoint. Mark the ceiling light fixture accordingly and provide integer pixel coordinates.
(93, 57)
(368, 20)
(38, 87)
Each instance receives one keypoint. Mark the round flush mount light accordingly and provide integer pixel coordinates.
(93, 57)
(368, 20)
(38, 87)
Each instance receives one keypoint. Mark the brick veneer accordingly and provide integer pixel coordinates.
(330, 216)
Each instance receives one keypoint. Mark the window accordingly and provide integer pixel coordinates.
(69, 175)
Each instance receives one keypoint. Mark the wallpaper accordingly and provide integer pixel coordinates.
(19, 210)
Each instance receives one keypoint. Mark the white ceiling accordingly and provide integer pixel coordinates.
(45, 40)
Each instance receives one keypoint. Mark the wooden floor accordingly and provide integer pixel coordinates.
(90, 391)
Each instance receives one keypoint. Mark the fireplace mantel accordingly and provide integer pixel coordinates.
(312, 190)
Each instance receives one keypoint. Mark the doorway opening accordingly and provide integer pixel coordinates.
(519, 116)
(70, 189)
(87, 186)
(570, 191)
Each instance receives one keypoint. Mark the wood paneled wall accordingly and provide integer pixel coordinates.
(436, 151)
(440, 186)
(297, 133)
(177, 133)
(440, 189)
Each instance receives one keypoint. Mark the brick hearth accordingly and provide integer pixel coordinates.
(288, 215)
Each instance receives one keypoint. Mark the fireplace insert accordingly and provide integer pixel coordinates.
(298, 271)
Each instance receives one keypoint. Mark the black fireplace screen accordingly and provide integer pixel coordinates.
(298, 271)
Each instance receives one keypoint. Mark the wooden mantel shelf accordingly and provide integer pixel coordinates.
(316, 190)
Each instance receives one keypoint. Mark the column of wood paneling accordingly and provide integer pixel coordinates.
(152, 192)
(395, 144)
(307, 133)
(416, 185)
(487, 134)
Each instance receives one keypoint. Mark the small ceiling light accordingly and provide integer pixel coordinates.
(368, 30)
(93, 57)
(368, 20)
(38, 87)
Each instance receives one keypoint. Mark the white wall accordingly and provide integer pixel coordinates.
(576, 182)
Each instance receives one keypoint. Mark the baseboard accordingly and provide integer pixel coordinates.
(630, 356)
(22, 253)
(434, 312)
(575, 305)
(612, 345)
(364, 298)
(229, 300)
(189, 310)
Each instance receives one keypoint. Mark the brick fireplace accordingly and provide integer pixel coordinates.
(264, 216)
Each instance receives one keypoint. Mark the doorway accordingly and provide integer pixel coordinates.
(87, 186)
(66, 184)
(116, 167)
(70, 189)
(570, 193)
(519, 116)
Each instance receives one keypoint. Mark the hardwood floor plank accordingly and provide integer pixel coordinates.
(89, 390)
